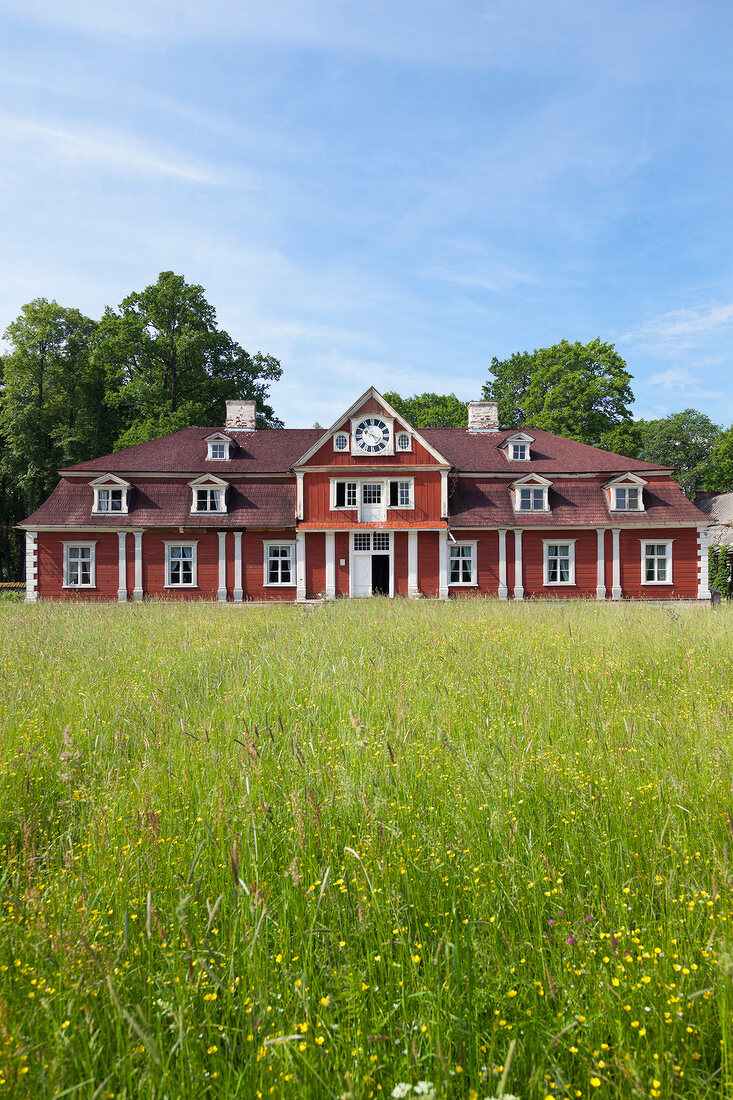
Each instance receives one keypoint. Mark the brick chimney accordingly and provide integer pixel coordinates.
(241, 416)
(483, 416)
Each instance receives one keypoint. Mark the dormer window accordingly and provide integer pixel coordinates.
(517, 447)
(626, 493)
(404, 442)
(219, 447)
(531, 494)
(111, 495)
(341, 441)
(209, 494)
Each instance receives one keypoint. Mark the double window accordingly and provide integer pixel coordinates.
(349, 494)
(110, 500)
(79, 565)
(627, 498)
(559, 563)
(180, 565)
(279, 563)
(219, 451)
(368, 541)
(209, 500)
(462, 563)
(532, 499)
(656, 562)
(519, 452)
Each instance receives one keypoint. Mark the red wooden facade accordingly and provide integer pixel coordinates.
(369, 506)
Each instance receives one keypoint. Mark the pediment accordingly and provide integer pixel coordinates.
(531, 480)
(625, 479)
(209, 481)
(220, 437)
(109, 481)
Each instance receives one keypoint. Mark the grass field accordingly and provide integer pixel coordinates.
(373, 849)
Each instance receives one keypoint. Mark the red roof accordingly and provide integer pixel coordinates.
(256, 503)
(266, 451)
(486, 502)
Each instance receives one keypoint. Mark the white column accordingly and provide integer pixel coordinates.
(443, 494)
(299, 494)
(616, 581)
(412, 588)
(137, 592)
(122, 567)
(503, 590)
(443, 565)
(703, 591)
(221, 592)
(237, 593)
(601, 564)
(518, 586)
(330, 565)
(300, 565)
(31, 566)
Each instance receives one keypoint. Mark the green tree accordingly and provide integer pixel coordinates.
(717, 476)
(169, 366)
(684, 441)
(430, 410)
(581, 391)
(53, 409)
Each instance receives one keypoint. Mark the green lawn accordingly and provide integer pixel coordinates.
(343, 851)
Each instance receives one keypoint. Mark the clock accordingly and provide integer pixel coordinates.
(371, 435)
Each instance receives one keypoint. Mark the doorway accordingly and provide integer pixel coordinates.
(371, 563)
(380, 574)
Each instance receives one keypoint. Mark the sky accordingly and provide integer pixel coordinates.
(381, 193)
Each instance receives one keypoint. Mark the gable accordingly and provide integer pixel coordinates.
(371, 404)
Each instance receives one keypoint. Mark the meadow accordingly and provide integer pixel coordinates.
(373, 849)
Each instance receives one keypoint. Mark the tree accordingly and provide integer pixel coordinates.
(169, 366)
(53, 409)
(684, 441)
(430, 410)
(581, 391)
(717, 476)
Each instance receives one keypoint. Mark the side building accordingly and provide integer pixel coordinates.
(370, 505)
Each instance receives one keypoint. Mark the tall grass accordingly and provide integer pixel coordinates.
(336, 853)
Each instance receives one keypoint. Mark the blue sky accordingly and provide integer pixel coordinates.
(385, 193)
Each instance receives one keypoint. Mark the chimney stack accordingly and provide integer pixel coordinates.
(483, 416)
(241, 416)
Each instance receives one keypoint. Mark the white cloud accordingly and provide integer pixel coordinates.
(105, 148)
(679, 330)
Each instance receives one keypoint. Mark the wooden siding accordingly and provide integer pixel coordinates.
(207, 564)
(487, 554)
(684, 564)
(253, 566)
(341, 539)
(428, 564)
(315, 564)
(326, 456)
(400, 562)
(317, 498)
(50, 561)
(585, 564)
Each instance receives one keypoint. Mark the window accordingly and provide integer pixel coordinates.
(462, 564)
(79, 565)
(627, 499)
(363, 540)
(180, 565)
(279, 558)
(381, 540)
(344, 494)
(340, 441)
(110, 500)
(219, 450)
(531, 499)
(560, 562)
(656, 563)
(209, 500)
(519, 452)
(400, 494)
(371, 492)
(404, 443)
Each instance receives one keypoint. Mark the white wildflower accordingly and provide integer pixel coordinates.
(426, 1089)
(401, 1090)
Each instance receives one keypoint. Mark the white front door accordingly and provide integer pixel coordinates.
(372, 495)
(362, 578)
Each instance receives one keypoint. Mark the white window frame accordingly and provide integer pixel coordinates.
(473, 583)
(266, 544)
(546, 544)
(88, 544)
(519, 452)
(667, 543)
(110, 483)
(522, 442)
(193, 543)
(214, 447)
(109, 489)
(616, 489)
(410, 482)
(208, 489)
(341, 435)
(219, 440)
(399, 445)
(532, 489)
(344, 507)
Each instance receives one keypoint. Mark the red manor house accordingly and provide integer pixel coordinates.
(369, 506)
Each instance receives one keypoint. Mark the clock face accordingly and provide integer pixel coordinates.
(371, 435)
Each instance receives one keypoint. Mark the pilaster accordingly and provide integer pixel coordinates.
(330, 565)
(616, 580)
(503, 590)
(442, 565)
(300, 565)
(221, 592)
(601, 564)
(122, 567)
(137, 592)
(412, 588)
(31, 566)
(237, 594)
(518, 586)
